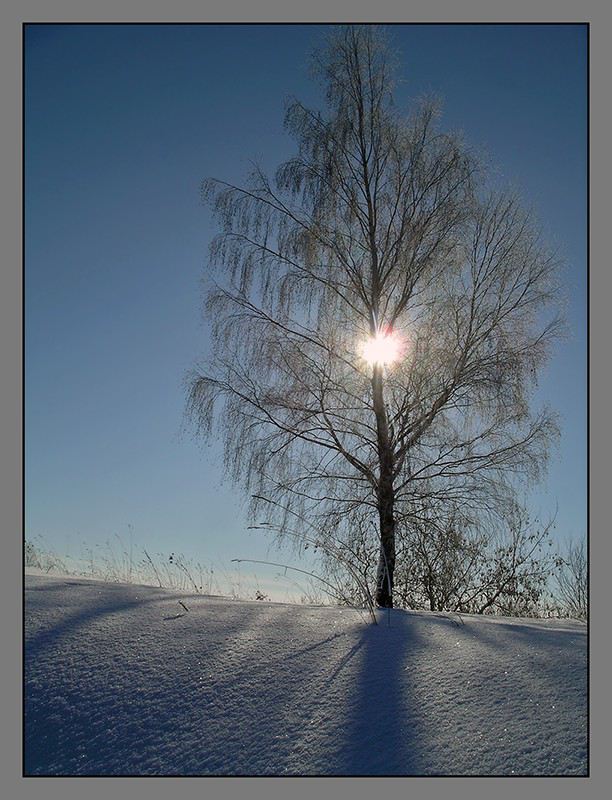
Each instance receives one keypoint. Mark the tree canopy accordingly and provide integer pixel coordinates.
(381, 227)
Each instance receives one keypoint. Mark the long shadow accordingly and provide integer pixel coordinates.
(539, 677)
(502, 635)
(123, 707)
(382, 734)
(63, 717)
(276, 703)
(69, 624)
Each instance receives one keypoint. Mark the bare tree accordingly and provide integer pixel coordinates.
(379, 233)
(572, 580)
(447, 561)
(513, 574)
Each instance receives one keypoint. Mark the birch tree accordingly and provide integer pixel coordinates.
(379, 317)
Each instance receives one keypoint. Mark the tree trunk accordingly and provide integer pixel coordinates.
(386, 559)
(385, 497)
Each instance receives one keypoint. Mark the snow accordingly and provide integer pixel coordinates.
(122, 680)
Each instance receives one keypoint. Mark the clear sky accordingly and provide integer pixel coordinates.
(122, 124)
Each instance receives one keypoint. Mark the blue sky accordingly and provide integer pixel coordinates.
(122, 125)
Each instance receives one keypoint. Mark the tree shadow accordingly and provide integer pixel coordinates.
(115, 601)
(505, 633)
(532, 680)
(262, 690)
(70, 693)
(382, 733)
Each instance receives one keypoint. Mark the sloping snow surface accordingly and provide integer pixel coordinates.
(122, 680)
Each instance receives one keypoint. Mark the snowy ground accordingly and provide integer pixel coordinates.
(122, 680)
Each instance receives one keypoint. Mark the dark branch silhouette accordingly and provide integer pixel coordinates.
(381, 225)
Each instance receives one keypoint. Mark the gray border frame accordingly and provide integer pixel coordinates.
(12, 18)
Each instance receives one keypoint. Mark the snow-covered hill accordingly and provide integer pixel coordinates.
(122, 680)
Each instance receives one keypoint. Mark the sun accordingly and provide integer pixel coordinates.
(382, 349)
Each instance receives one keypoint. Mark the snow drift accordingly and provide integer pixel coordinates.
(124, 680)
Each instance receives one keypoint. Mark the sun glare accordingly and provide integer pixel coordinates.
(384, 348)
